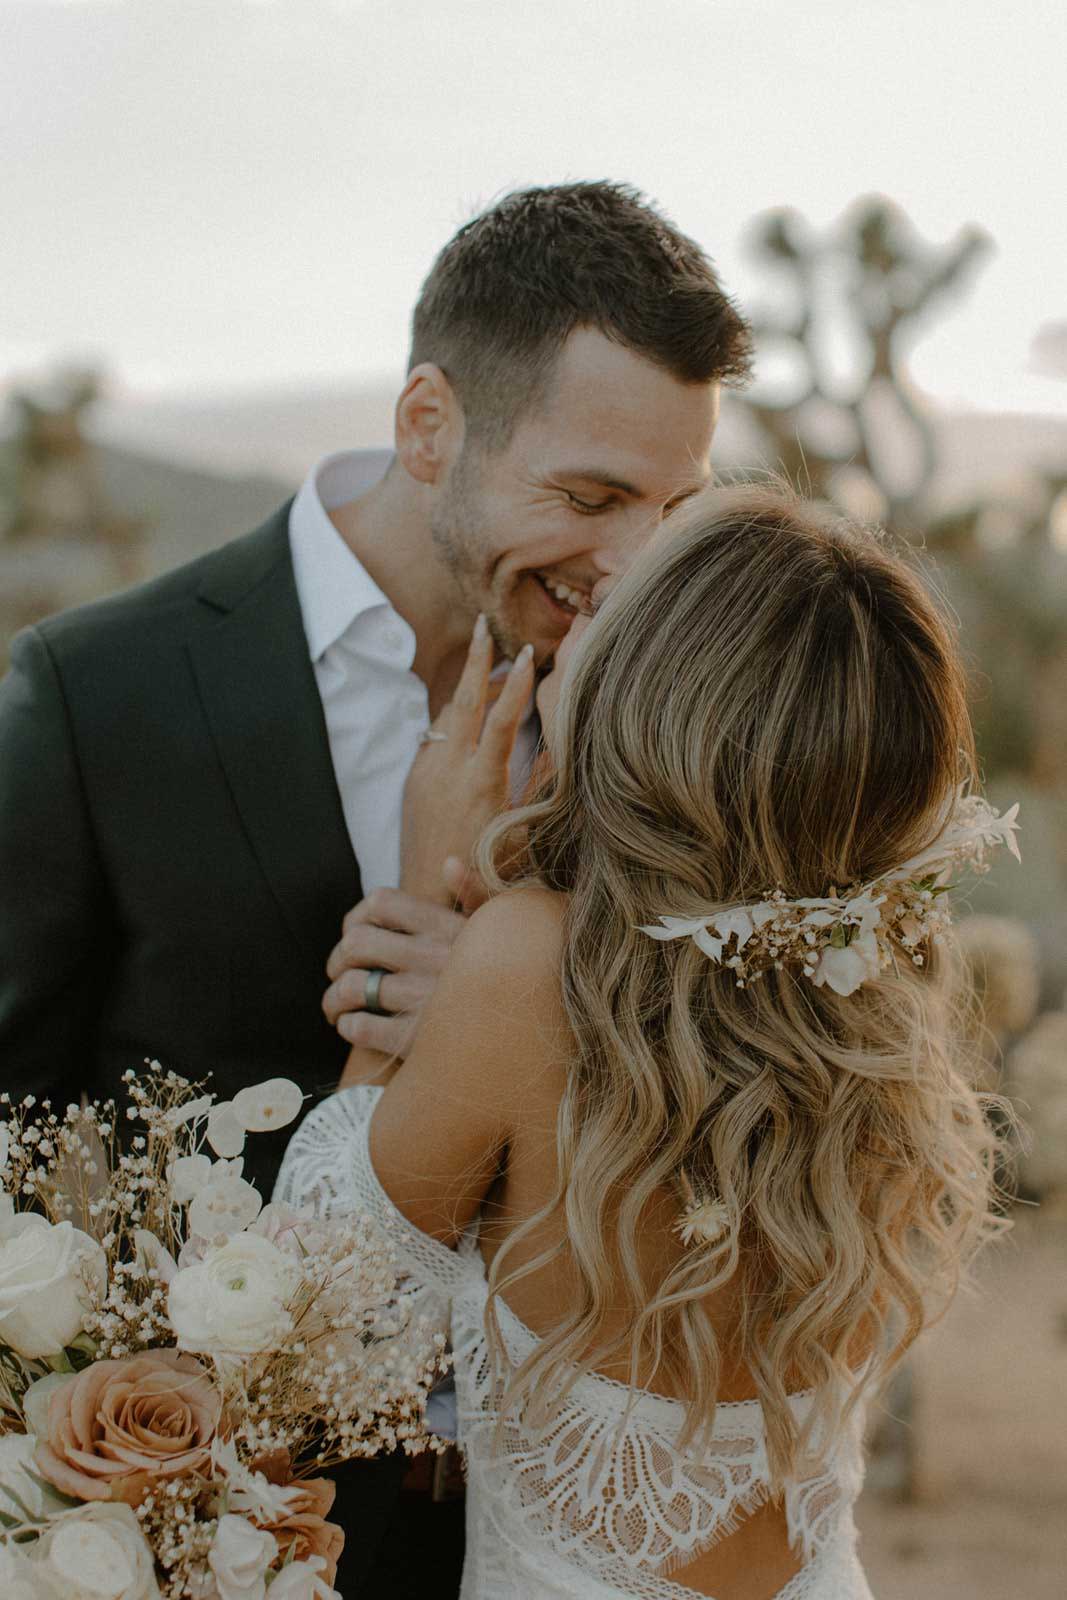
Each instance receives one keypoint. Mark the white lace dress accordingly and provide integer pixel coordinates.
(602, 1504)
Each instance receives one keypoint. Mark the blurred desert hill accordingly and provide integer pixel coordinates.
(273, 435)
(186, 507)
(189, 509)
(249, 441)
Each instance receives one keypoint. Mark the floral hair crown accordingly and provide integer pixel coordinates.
(847, 938)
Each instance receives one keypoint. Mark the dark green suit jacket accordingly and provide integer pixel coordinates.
(174, 862)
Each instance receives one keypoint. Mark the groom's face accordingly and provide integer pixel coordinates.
(529, 530)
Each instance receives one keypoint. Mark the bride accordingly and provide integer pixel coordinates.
(685, 1139)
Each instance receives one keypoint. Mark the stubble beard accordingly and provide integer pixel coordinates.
(461, 536)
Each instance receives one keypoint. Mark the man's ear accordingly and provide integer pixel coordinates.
(428, 424)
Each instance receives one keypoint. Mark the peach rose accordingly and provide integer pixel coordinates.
(304, 1524)
(118, 1425)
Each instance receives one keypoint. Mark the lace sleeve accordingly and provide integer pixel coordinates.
(327, 1168)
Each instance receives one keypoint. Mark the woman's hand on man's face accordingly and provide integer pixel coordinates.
(548, 690)
(460, 778)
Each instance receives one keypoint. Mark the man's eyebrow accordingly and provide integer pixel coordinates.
(598, 475)
(605, 480)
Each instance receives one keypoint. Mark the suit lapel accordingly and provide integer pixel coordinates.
(262, 703)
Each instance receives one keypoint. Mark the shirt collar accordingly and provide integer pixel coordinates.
(333, 586)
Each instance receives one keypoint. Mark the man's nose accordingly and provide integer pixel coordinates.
(602, 588)
(617, 550)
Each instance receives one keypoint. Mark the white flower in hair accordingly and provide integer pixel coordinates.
(705, 1220)
(844, 940)
(845, 969)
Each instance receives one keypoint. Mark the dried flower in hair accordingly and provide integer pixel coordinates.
(844, 940)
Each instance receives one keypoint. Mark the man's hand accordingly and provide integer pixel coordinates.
(406, 937)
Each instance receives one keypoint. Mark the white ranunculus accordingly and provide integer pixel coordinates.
(188, 1175)
(97, 1552)
(303, 1580)
(50, 1274)
(23, 1495)
(239, 1557)
(233, 1301)
(225, 1134)
(5, 1146)
(266, 1106)
(224, 1206)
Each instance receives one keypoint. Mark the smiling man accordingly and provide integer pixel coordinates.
(568, 354)
(199, 778)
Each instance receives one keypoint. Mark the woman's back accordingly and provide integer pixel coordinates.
(527, 934)
(755, 1561)
(717, 1499)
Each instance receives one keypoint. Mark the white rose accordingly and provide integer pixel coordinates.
(301, 1580)
(49, 1275)
(239, 1557)
(233, 1301)
(97, 1553)
(22, 1496)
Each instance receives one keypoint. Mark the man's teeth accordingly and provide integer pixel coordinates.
(571, 597)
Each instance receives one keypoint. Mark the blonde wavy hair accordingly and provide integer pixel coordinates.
(770, 698)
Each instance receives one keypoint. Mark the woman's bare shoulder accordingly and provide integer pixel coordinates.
(519, 930)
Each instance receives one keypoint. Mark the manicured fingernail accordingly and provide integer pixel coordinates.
(523, 656)
(481, 628)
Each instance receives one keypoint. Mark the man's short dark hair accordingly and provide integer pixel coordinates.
(508, 289)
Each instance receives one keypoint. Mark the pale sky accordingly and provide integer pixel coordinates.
(228, 195)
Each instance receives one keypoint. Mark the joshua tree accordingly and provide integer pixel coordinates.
(852, 297)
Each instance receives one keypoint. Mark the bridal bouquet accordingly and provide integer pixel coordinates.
(181, 1364)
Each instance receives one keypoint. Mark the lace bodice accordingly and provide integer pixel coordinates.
(601, 1503)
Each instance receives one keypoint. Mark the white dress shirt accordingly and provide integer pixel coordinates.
(362, 651)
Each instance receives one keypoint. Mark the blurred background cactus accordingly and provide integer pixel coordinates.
(835, 410)
(61, 541)
(833, 399)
